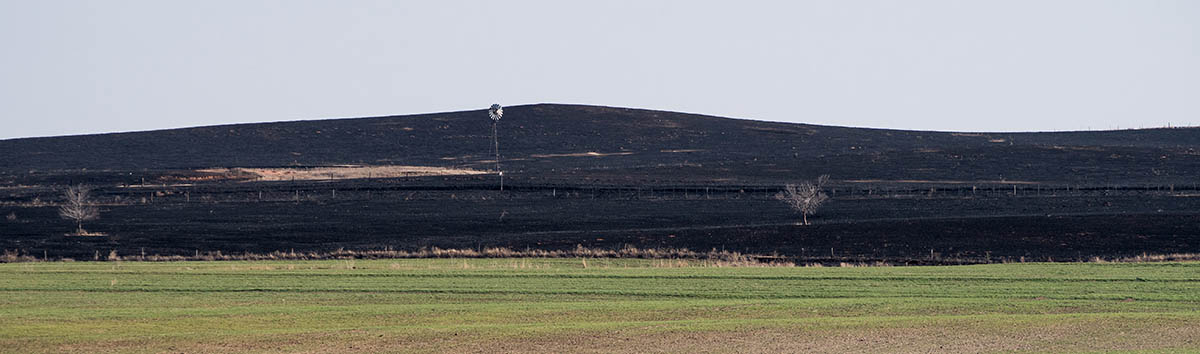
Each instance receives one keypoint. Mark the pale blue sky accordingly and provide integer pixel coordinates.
(73, 67)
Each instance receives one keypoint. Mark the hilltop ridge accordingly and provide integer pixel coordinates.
(568, 141)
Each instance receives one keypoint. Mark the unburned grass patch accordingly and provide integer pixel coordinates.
(611, 305)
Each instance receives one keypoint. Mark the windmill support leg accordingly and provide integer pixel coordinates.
(496, 142)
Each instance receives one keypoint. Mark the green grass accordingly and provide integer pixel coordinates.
(611, 305)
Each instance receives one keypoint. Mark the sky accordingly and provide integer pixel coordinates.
(80, 67)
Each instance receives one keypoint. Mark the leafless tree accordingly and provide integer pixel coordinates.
(78, 207)
(805, 197)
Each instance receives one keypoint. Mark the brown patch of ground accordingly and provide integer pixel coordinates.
(957, 335)
(1058, 338)
(343, 172)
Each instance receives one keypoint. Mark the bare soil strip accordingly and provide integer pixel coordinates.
(343, 172)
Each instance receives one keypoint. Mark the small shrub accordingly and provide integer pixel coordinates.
(14, 256)
(1173, 257)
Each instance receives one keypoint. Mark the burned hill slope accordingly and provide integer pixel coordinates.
(617, 144)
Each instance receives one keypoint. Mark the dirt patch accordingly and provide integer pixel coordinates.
(943, 336)
(343, 172)
(954, 335)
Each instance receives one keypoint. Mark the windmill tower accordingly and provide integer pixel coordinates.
(495, 113)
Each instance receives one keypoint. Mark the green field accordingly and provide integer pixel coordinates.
(554, 305)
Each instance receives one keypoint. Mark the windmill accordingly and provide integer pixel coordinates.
(496, 112)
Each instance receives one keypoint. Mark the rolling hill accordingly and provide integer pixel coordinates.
(608, 177)
(616, 144)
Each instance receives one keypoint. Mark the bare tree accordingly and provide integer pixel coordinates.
(78, 207)
(805, 197)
